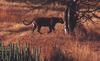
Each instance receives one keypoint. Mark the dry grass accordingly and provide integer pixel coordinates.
(84, 47)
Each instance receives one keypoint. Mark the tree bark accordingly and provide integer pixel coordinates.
(71, 16)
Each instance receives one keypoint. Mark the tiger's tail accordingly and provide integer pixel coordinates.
(26, 22)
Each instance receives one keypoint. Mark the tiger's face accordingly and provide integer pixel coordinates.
(61, 21)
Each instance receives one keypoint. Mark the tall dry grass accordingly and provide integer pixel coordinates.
(56, 46)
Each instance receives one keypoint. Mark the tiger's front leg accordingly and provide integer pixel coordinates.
(50, 29)
(53, 28)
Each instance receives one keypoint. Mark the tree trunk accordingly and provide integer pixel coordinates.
(71, 16)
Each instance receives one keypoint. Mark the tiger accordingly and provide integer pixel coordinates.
(49, 22)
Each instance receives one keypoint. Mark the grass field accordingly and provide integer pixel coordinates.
(85, 46)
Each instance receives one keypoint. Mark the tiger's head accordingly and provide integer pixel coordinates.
(60, 20)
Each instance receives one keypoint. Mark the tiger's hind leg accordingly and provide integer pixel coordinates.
(34, 27)
(39, 28)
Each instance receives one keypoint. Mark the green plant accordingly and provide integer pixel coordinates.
(13, 53)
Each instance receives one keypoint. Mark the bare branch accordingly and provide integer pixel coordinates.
(96, 16)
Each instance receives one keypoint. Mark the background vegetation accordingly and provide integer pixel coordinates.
(18, 41)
